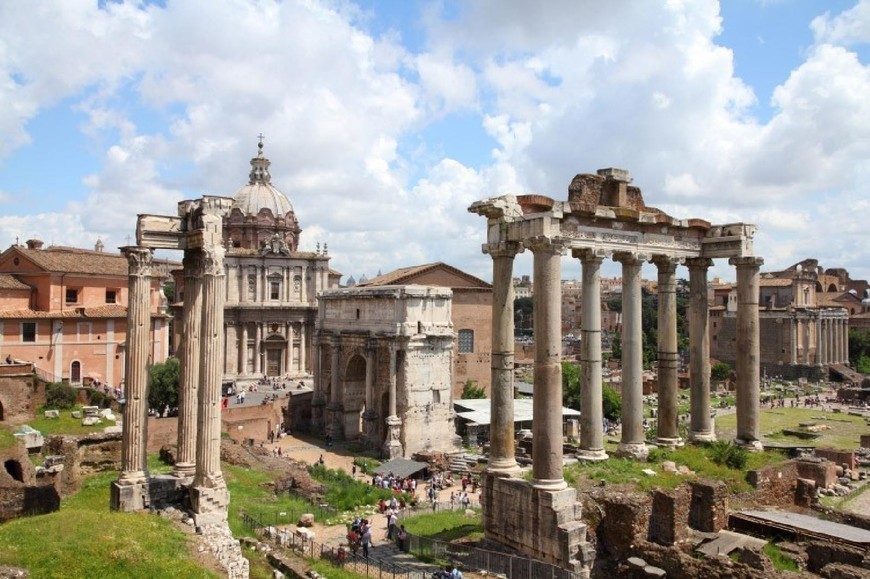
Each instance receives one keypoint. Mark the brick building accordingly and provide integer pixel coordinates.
(64, 310)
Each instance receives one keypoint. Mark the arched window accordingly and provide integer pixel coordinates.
(75, 372)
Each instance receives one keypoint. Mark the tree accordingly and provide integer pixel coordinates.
(720, 371)
(60, 395)
(612, 402)
(571, 385)
(163, 380)
(863, 365)
(859, 345)
(471, 391)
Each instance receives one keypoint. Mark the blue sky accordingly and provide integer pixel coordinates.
(385, 120)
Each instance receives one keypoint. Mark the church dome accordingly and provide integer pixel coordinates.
(259, 193)
(261, 215)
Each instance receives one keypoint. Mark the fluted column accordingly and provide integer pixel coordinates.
(748, 351)
(370, 415)
(701, 425)
(806, 334)
(794, 340)
(591, 398)
(844, 332)
(209, 488)
(821, 341)
(633, 441)
(243, 350)
(336, 406)
(393, 444)
(258, 337)
(829, 341)
(502, 453)
(668, 396)
(547, 399)
(303, 362)
(133, 462)
(188, 392)
(318, 400)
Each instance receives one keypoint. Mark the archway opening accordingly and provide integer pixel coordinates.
(75, 372)
(13, 467)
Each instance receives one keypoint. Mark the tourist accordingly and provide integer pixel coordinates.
(391, 526)
(320, 461)
(366, 541)
(403, 536)
(455, 573)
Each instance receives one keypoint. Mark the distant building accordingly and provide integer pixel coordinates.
(64, 310)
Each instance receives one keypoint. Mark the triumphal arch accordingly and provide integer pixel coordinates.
(604, 217)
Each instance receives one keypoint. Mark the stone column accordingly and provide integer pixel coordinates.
(806, 334)
(748, 351)
(701, 426)
(336, 407)
(258, 337)
(794, 340)
(303, 288)
(844, 325)
(591, 399)
(547, 399)
(370, 415)
(633, 441)
(822, 341)
(209, 492)
(188, 391)
(393, 444)
(303, 362)
(668, 434)
(243, 350)
(133, 461)
(829, 340)
(318, 400)
(502, 452)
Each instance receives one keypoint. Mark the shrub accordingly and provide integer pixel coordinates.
(97, 398)
(725, 453)
(60, 395)
(471, 391)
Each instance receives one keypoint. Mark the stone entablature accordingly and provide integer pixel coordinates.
(383, 368)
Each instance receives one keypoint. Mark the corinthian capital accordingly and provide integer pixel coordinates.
(138, 259)
(213, 260)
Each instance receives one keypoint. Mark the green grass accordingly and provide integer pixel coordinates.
(326, 569)
(844, 433)
(7, 439)
(697, 458)
(346, 494)
(780, 560)
(445, 526)
(65, 424)
(85, 539)
(248, 494)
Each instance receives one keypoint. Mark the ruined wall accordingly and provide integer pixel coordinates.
(21, 392)
(669, 515)
(625, 522)
(83, 456)
(838, 457)
(545, 525)
(708, 511)
(24, 494)
(252, 422)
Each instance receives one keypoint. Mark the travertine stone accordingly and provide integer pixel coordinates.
(701, 424)
(591, 399)
(668, 389)
(209, 493)
(501, 434)
(188, 394)
(133, 461)
(547, 429)
(748, 351)
(632, 443)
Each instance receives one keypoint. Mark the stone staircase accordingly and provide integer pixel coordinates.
(459, 463)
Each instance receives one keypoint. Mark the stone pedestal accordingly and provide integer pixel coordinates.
(128, 496)
(393, 444)
(543, 524)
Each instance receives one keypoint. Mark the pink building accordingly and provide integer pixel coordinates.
(65, 311)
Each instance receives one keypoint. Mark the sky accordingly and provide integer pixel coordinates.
(385, 120)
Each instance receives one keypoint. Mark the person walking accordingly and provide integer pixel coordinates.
(366, 541)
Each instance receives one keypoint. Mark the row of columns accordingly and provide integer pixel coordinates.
(260, 329)
(547, 410)
(201, 372)
(831, 340)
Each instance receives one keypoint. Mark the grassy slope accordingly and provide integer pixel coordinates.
(844, 433)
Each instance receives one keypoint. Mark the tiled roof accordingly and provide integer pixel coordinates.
(8, 281)
(74, 260)
(406, 274)
(775, 282)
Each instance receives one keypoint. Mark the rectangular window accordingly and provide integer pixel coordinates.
(111, 296)
(275, 290)
(28, 331)
(72, 296)
(466, 341)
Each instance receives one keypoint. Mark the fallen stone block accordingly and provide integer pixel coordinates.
(52, 413)
(306, 534)
(651, 571)
(76, 413)
(669, 466)
(91, 420)
(636, 562)
(306, 520)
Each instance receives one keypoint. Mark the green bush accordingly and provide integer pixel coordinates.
(97, 398)
(471, 391)
(725, 453)
(345, 494)
(60, 395)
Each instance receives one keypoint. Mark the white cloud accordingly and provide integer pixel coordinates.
(849, 27)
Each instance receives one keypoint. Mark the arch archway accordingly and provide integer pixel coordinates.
(75, 372)
(13, 467)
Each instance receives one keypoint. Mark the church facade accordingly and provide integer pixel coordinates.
(271, 286)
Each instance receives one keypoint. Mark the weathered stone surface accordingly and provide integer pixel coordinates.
(306, 520)
(625, 522)
(670, 512)
(708, 511)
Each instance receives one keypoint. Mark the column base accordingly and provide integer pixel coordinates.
(634, 450)
(393, 445)
(749, 445)
(503, 467)
(702, 437)
(207, 500)
(669, 442)
(128, 496)
(184, 470)
(552, 484)
(591, 455)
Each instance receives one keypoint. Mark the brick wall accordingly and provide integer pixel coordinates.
(838, 457)
(20, 393)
